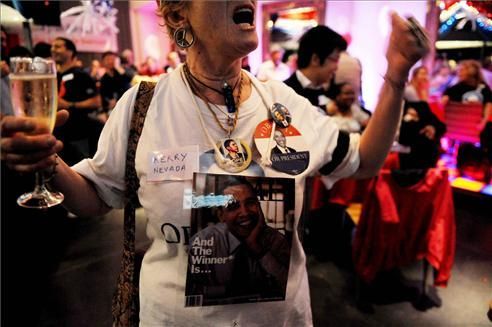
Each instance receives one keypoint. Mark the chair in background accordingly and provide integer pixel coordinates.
(402, 224)
(462, 120)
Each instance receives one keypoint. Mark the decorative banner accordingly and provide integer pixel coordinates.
(91, 26)
(460, 14)
(93, 17)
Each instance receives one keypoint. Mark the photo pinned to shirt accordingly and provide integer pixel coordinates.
(235, 155)
(286, 147)
(241, 235)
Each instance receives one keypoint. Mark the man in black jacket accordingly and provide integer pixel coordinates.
(317, 61)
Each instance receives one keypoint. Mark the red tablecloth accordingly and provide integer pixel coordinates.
(399, 225)
(343, 192)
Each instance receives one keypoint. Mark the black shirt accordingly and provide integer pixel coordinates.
(113, 87)
(75, 85)
(462, 92)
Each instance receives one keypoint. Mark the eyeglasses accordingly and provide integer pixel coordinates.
(334, 59)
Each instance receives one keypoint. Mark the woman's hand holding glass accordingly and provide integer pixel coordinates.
(26, 147)
(27, 144)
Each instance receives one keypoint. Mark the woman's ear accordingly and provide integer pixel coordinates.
(175, 19)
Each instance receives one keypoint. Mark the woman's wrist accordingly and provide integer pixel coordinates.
(397, 72)
(395, 83)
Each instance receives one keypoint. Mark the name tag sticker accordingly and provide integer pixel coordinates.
(67, 77)
(173, 164)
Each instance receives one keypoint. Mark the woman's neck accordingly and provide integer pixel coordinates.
(213, 73)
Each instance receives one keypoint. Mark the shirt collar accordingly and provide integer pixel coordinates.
(306, 82)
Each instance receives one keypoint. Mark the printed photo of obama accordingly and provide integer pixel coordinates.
(241, 234)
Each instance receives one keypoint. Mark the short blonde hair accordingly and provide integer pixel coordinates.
(168, 10)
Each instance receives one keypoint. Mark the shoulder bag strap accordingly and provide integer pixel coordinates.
(125, 306)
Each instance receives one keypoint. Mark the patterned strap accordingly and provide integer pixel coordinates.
(125, 305)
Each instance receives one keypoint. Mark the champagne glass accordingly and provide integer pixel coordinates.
(34, 94)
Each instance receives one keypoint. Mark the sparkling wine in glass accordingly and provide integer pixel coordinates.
(34, 96)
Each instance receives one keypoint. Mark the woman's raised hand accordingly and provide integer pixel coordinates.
(27, 145)
(407, 45)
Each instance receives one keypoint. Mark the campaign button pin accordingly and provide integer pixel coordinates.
(280, 114)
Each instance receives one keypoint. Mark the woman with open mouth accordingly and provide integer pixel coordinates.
(206, 100)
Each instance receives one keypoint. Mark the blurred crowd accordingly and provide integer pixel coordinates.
(90, 90)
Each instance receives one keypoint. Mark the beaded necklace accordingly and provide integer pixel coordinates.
(223, 155)
(227, 91)
(231, 121)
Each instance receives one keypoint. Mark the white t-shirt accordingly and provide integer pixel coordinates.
(172, 122)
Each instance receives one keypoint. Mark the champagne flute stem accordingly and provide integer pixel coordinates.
(41, 197)
(39, 185)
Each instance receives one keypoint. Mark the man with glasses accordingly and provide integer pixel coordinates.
(317, 61)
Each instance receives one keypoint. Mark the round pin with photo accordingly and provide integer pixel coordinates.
(281, 115)
(234, 155)
(286, 148)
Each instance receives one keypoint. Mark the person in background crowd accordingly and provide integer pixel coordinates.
(487, 70)
(441, 79)
(471, 88)
(42, 49)
(149, 67)
(20, 51)
(4, 50)
(173, 61)
(77, 93)
(274, 68)
(95, 71)
(317, 60)
(179, 116)
(5, 101)
(128, 62)
(114, 82)
(290, 59)
(349, 70)
(346, 113)
(17, 51)
(417, 88)
(420, 130)
(78, 63)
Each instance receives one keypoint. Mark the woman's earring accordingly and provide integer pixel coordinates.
(183, 37)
